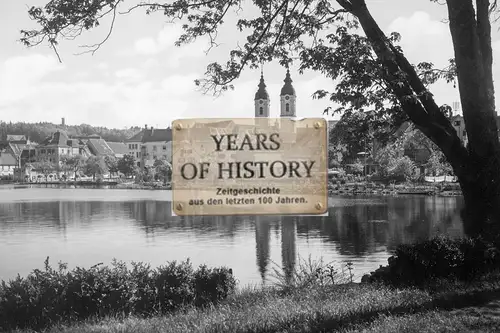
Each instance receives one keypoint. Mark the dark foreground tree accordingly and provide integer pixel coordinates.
(371, 68)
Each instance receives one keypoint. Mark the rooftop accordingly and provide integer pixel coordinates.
(15, 137)
(99, 147)
(157, 134)
(119, 148)
(60, 139)
(7, 159)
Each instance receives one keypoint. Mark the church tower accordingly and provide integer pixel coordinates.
(288, 97)
(262, 101)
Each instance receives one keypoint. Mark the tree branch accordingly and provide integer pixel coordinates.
(431, 122)
(155, 6)
(93, 48)
(210, 86)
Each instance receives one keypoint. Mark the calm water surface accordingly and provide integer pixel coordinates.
(86, 226)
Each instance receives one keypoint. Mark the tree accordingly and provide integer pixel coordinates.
(147, 175)
(95, 166)
(437, 165)
(127, 165)
(401, 167)
(372, 70)
(163, 170)
(357, 168)
(45, 168)
(355, 133)
(111, 164)
(74, 163)
(37, 132)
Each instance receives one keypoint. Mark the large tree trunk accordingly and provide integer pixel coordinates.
(481, 214)
(473, 56)
(478, 169)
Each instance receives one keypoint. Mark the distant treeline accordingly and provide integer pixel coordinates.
(37, 132)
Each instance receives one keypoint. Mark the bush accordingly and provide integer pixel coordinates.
(212, 285)
(463, 259)
(50, 296)
(309, 273)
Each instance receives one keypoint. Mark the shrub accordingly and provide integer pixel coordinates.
(50, 296)
(309, 273)
(211, 285)
(463, 259)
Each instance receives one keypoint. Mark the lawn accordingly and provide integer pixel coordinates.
(456, 307)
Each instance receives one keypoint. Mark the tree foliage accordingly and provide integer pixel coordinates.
(44, 167)
(95, 166)
(74, 163)
(163, 170)
(37, 132)
(437, 165)
(127, 165)
(357, 132)
(111, 165)
(342, 40)
(401, 167)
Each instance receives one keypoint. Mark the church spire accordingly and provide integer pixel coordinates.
(262, 101)
(288, 88)
(288, 97)
(262, 92)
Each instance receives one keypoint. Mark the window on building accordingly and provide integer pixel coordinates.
(137, 154)
(164, 147)
(261, 111)
(287, 107)
(42, 151)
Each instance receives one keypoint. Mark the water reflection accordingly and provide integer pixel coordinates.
(361, 229)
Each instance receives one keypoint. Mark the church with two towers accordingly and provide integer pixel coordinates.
(288, 99)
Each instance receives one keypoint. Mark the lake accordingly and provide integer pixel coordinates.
(83, 227)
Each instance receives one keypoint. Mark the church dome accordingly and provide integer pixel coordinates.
(287, 87)
(262, 92)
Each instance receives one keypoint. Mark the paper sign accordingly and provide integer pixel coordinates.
(254, 166)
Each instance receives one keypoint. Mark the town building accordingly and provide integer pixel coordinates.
(458, 123)
(134, 145)
(8, 164)
(58, 144)
(151, 144)
(18, 146)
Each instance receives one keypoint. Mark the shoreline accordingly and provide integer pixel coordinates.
(84, 185)
(450, 189)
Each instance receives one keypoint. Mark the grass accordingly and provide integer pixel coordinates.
(442, 284)
(312, 301)
(343, 308)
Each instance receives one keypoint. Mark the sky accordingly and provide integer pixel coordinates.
(138, 77)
